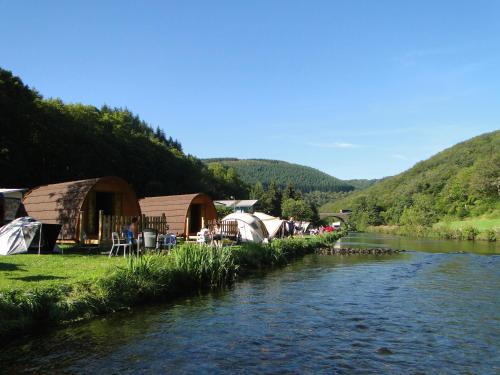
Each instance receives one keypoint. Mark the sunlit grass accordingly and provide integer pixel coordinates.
(479, 223)
(28, 271)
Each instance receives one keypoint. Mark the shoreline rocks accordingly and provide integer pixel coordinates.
(352, 251)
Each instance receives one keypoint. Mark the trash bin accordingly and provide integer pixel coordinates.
(149, 238)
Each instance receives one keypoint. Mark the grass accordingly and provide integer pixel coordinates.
(28, 271)
(50, 289)
(479, 223)
(485, 228)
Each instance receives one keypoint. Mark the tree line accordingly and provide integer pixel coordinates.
(285, 203)
(305, 179)
(44, 141)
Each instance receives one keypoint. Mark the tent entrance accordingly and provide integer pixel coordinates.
(195, 218)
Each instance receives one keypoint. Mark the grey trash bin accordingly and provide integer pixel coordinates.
(149, 238)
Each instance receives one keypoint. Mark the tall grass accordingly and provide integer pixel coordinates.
(156, 277)
(468, 232)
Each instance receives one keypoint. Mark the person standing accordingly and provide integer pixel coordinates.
(291, 226)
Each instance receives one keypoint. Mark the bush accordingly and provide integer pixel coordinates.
(470, 233)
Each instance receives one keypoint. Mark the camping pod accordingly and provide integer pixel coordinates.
(76, 205)
(186, 214)
(251, 228)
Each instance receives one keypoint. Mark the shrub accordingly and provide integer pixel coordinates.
(469, 233)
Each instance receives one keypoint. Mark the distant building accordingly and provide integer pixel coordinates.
(245, 205)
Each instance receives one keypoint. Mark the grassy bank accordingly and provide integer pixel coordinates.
(71, 288)
(459, 230)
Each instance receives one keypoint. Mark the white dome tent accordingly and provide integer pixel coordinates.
(251, 228)
(16, 237)
(274, 225)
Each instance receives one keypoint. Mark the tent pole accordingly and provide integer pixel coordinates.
(40, 238)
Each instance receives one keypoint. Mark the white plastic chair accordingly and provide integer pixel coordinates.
(118, 244)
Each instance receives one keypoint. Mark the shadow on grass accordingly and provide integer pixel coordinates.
(10, 267)
(37, 278)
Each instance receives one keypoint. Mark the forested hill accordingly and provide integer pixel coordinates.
(45, 141)
(303, 178)
(459, 182)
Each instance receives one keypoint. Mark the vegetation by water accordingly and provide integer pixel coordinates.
(46, 141)
(482, 228)
(457, 184)
(139, 280)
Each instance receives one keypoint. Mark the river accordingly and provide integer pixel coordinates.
(434, 308)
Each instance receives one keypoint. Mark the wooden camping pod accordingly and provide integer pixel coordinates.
(76, 205)
(186, 214)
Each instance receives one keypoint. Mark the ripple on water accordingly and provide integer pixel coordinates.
(411, 313)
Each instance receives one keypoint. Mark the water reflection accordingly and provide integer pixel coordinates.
(415, 312)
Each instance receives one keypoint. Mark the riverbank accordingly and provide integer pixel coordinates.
(142, 280)
(466, 232)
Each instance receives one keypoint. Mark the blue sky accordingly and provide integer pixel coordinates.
(358, 89)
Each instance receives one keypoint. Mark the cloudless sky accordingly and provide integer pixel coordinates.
(357, 89)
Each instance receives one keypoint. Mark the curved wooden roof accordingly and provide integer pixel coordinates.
(61, 203)
(175, 208)
(47, 203)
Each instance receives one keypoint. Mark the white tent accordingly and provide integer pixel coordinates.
(16, 237)
(251, 228)
(274, 225)
(303, 226)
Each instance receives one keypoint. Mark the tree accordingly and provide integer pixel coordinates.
(420, 213)
(257, 191)
(297, 208)
(485, 179)
(290, 193)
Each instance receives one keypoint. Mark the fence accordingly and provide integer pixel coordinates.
(227, 228)
(111, 223)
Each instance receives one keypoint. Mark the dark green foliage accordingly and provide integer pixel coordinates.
(47, 141)
(362, 183)
(270, 201)
(304, 179)
(297, 208)
(223, 211)
(459, 182)
(319, 198)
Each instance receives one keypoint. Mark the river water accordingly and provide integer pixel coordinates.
(432, 309)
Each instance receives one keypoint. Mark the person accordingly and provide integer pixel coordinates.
(216, 236)
(132, 231)
(290, 226)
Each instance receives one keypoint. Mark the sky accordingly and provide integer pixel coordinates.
(357, 89)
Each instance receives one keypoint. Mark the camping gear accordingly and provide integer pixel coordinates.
(274, 225)
(49, 232)
(251, 228)
(17, 236)
(149, 238)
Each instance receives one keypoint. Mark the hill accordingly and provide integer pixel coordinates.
(47, 141)
(460, 182)
(362, 183)
(305, 179)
